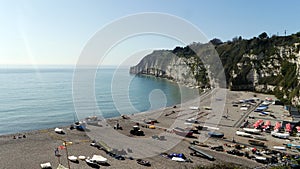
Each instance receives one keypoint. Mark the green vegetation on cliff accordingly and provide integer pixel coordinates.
(262, 64)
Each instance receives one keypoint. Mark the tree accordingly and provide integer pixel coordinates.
(263, 35)
(216, 41)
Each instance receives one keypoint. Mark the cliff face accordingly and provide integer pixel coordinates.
(270, 65)
(165, 64)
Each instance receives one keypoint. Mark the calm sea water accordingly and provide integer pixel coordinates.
(33, 99)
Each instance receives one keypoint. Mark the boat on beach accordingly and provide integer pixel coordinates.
(182, 132)
(243, 134)
(216, 134)
(73, 158)
(249, 130)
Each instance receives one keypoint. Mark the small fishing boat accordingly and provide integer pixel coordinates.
(279, 147)
(73, 158)
(249, 130)
(241, 133)
(99, 159)
(59, 131)
(280, 135)
(182, 132)
(215, 134)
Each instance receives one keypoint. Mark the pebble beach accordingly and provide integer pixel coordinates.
(30, 149)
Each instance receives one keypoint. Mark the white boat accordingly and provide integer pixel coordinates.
(178, 159)
(59, 131)
(194, 108)
(73, 158)
(98, 159)
(241, 133)
(81, 157)
(244, 108)
(279, 148)
(280, 135)
(249, 130)
(46, 165)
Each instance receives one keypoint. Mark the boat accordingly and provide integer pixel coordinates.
(98, 159)
(243, 134)
(260, 159)
(256, 143)
(59, 131)
(191, 120)
(215, 134)
(73, 158)
(279, 147)
(280, 135)
(194, 108)
(46, 165)
(249, 130)
(81, 157)
(182, 132)
(91, 163)
(264, 113)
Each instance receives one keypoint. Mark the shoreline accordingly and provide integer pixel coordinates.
(46, 140)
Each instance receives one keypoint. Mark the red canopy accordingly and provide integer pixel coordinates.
(288, 127)
(258, 123)
(267, 124)
(277, 126)
(298, 129)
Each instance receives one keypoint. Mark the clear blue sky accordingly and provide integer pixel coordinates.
(53, 32)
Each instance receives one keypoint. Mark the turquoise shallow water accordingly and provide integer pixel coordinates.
(33, 99)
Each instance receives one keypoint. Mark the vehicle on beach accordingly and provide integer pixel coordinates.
(235, 152)
(137, 131)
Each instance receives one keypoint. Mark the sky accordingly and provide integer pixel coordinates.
(55, 32)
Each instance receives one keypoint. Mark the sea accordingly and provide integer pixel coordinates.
(42, 98)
